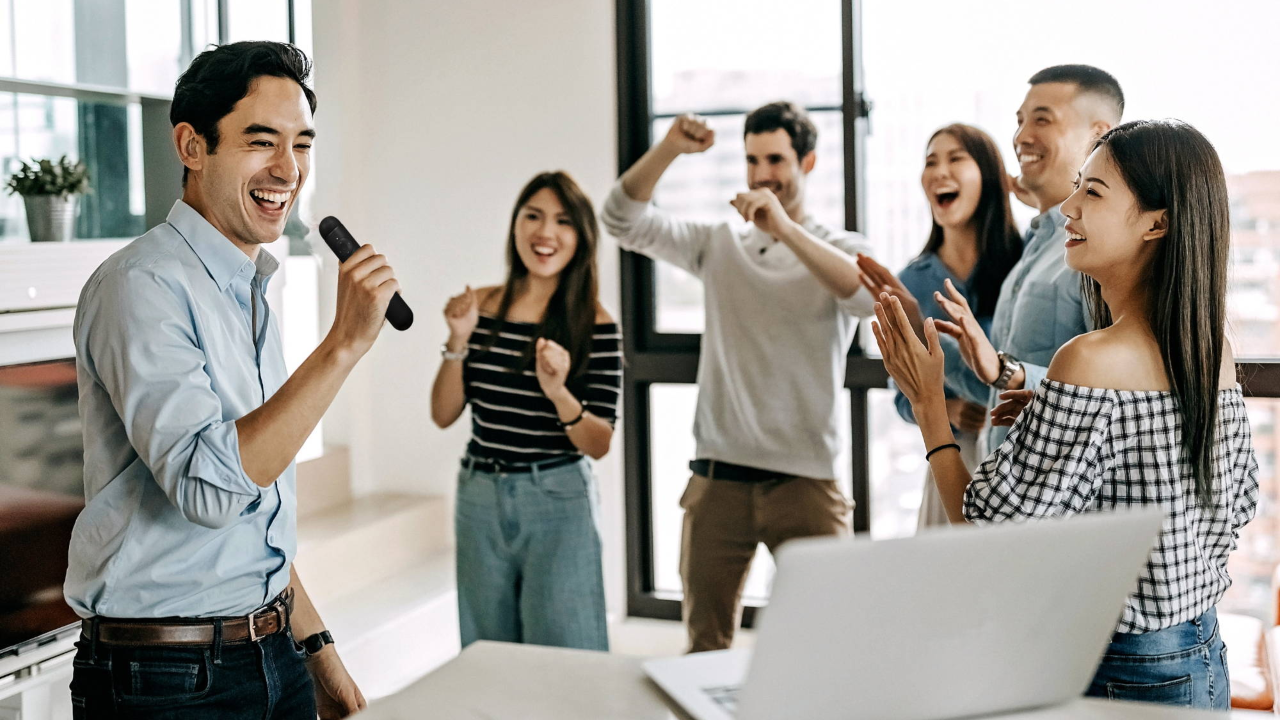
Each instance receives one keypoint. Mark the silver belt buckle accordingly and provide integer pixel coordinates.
(253, 628)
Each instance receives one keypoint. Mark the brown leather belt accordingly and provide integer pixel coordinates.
(265, 621)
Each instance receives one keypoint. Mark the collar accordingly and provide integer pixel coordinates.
(1053, 216)
(222, 259)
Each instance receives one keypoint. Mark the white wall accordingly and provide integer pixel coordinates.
(432, 115)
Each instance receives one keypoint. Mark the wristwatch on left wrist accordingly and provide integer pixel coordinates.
(1008, 368)
(316, 643)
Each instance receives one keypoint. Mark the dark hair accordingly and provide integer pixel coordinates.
(571, 312)
(1170, 166)
(1088, 79)
(784, 115)
(220, 77)
(998, 240)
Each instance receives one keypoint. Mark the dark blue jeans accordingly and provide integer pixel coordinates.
(1184, 665)
(266, 679)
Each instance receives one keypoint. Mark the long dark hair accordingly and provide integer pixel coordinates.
(571, 312)
(1170, 166)
(999, 243)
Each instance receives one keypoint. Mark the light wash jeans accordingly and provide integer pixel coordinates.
(1183, 665)
(529, 561)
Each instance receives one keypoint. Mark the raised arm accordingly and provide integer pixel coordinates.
(448, 395)
(688, 134)
(629, 215)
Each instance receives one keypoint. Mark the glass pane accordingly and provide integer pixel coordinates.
(758, 52)
(671, 447)
(12, 223)
(913, 97)
(48, 127)
(107, 138)
(257, 20)
(43, 40)
(897, 468)
(1258, 550)
(154, 44)
(699, 187)
(6, 40)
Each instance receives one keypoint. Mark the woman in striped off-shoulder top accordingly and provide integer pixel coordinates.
(539, 362)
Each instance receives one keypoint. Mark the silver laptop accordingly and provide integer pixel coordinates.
(951, 623)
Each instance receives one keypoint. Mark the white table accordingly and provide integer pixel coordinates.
(500, 681)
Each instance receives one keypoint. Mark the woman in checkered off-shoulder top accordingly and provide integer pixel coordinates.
(1143, 411)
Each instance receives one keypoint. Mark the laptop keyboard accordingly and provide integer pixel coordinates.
(726, 696)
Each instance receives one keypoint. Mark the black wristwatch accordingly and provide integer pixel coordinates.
(316, 643)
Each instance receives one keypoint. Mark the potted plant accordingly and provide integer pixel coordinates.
(50, 190)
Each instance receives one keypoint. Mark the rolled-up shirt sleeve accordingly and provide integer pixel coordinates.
(140, 338)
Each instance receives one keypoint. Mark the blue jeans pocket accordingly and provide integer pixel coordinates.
(1176, 692)
(168, 677)
(91, 690)
(567, 483)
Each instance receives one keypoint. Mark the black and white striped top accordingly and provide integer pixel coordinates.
(1078, 449)
(512, 421)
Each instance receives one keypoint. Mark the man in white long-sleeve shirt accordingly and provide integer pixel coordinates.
(782, 296)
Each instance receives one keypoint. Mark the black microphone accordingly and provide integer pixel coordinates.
(339, 240)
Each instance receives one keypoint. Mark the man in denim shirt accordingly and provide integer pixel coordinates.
(181, 562)
(1040, 308)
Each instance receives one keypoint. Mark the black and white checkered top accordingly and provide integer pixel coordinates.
(1079, 449)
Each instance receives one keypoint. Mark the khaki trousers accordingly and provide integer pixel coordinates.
(724, 521)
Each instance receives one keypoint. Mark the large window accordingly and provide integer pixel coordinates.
(76, 76)
(91, 79)
(921, 65)
(722, 76)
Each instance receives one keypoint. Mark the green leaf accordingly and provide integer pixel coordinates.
(44, 177)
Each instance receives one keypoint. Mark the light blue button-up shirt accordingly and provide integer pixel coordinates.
(167, 360)
(1039, 310)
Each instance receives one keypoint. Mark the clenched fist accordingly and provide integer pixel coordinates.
(462, 313)
(551, 367)
(689, 134)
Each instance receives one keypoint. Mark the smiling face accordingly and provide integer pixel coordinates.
(1107, 232)
(246, 188)
(951, 180)
(772, 164)
(1057, 125)
(545, 237)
